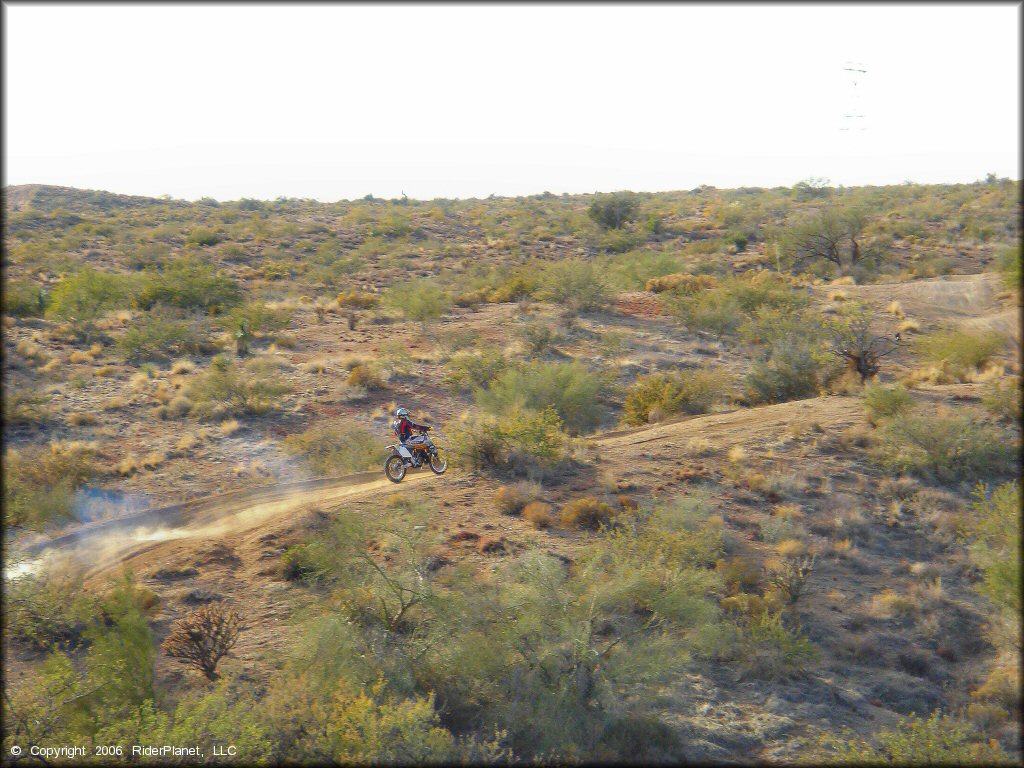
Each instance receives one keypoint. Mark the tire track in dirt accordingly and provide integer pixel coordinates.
(100, 546)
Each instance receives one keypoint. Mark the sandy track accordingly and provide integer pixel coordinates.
(97, 547)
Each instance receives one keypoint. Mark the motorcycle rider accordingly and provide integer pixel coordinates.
(403, 428)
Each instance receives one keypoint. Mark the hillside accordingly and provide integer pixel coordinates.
(199, 394)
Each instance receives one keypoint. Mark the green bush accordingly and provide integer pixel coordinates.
(1002, 398)
(789, 372)
(25, 408)
(883, 402)
(163, 333)
(539, 337)
(203, 236)
(722, 309)
(189, 284)
(1008, 262)
(569, 388)
(936, 740)
(631, 271)
(226, 390)
(993, 529)
(577, 285)
(960, 348)
(332, 449)
(947, 447)
(84, 297)
(613, 211)
(23, 298)
(586, 512)
(520, 442)
(47, 610)
(467, 371)
(40, 481)
(256, 318)
(658, 395)
(419, 300)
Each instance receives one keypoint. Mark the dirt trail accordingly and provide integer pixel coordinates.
(972, 301)
(100, 546)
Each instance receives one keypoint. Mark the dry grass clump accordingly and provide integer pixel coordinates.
(83, 420)
(128, 466)
(364, 376)
(53, 365)
(909, 326)
(153, 459)
(889, 604)
(181, 367)
(229, 427)
(285, 341)
(179, 406)
(538, 514)
(105, 371)
(186, 442)
(511, 499)
(698, 447)
(357, 299)
(838, 296)
(587, 513)
(737, 454)
(78, 357)
(896, 310)
(319, 366)
(683, 282)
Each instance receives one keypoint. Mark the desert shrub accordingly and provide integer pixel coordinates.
(586, 512)
(419, 300)
(936, 740)
(364, 376)
(883, 402)
(189, 284)
(510, 499)
(613, 211)
(569, 388)
(538, 337)
(772, 325)
(204, 636)
(959, 348)
(520, 442)
(1008, 262)
(227, 390)
(203, 236)
(39, 481)
(1002, 398)
(23, 408)
(574, 284)
(87, 295)
(721, 310)
(357, 299)
(682, 282)
(337, 448)
(756, 638)
(47, 610)
(633, 270)
(163, 333)
(790, 371)
(788, 572)
(256, 318)
(658, 395)
(993, 529)
(473, 370)
(23, 298)
(538, 514)
(948, 447)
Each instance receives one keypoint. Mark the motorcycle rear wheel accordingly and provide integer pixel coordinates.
(394, 468)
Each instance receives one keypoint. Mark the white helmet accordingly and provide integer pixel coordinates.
(401, 412)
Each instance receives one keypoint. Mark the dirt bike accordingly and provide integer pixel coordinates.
(397, 462)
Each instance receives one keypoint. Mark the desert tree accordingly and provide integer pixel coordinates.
(854, 342)
(613, 211)
(833, 234)
(203, 637)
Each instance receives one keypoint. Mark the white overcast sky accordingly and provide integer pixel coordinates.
(337, 101)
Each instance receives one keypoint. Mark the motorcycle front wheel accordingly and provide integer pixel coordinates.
(394, 468)
(438, 465)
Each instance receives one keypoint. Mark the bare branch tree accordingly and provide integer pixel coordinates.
(853, 342)
(203, 637)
